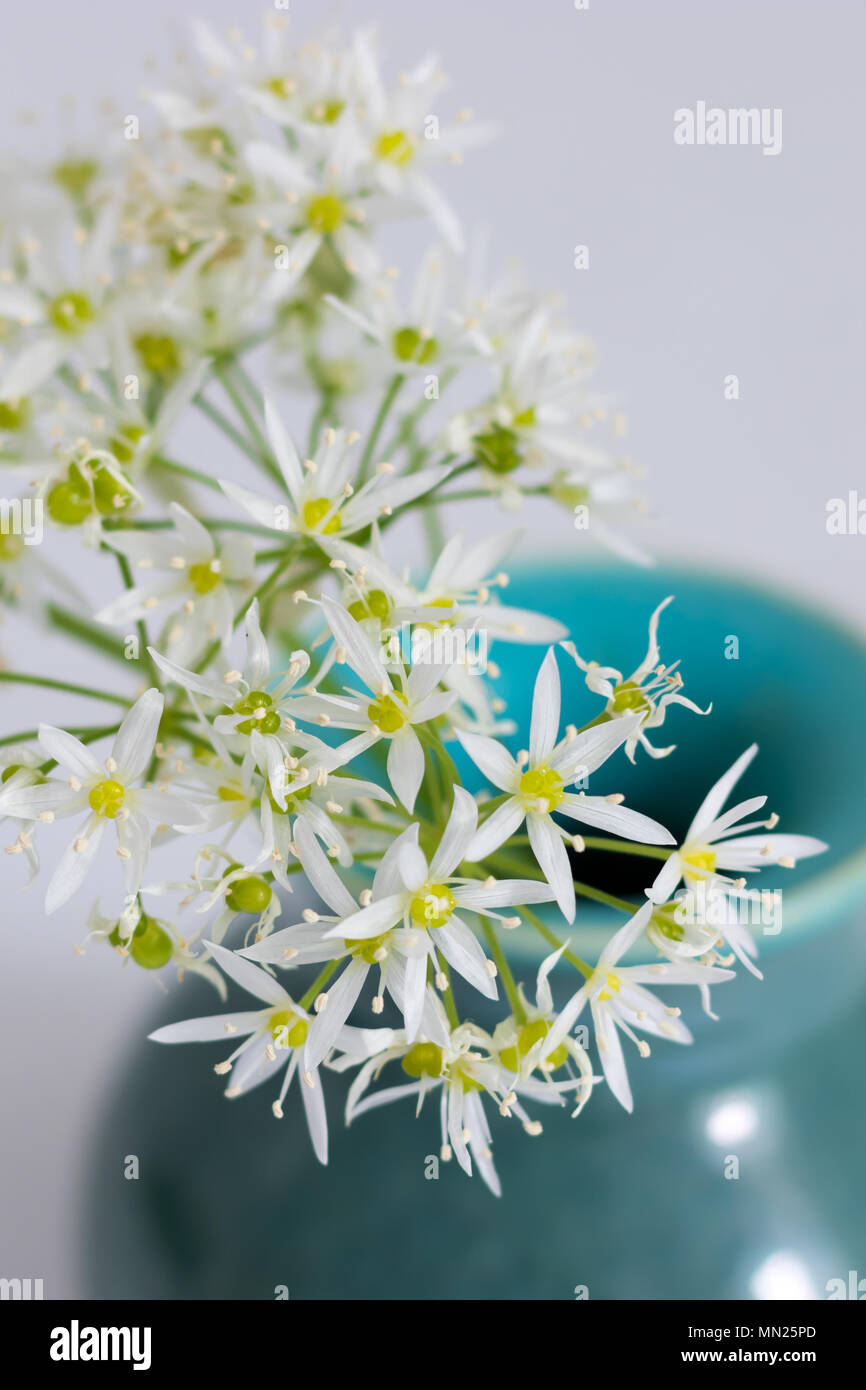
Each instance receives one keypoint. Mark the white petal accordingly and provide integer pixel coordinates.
(72, 755)
(248, 976)
(133, 746)
(374, 920)
(285, 451)
(461, 949)
(456, 836)
(617, 820)
(491, 758)
(73, 866)
(718, 794)
(406, 765)
(552, 856)
(216, 1028)
(496, 829)
(544, 726)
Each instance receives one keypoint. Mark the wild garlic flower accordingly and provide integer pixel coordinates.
(648, 691)
(715, 841)
(200, 583)
(619, 1002)
(106, 792)
(535, 787)
(322, 496)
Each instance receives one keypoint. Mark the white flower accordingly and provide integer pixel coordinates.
(410, 338)
(322, 500)
(521, 1047)
(106, 792)
(458, 1063)
(412, 914)
(538, 788)
(457, 592)
(273, 1037)
(714, 841)
(20, 768)
(392, 711)
(618, 1000)
(648, 691)
(196, 584)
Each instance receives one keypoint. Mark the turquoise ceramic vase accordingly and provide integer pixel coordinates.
(738, 1175)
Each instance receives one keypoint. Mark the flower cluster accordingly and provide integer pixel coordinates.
(357, 758)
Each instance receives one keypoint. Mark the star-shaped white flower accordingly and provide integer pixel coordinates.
(618, 1000)
(714, 841)
(648, 691)
(106, 792)
(538, 789)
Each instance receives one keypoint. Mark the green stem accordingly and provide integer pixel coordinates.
(265, 457)
(552, 940)
(628, 847)
(140, 627)
(184, 471)
(93, 634)
(217, 418)
(321, 979)
(86, 733)
(498, 956)
(447, 995)
(49, 684)
(381, 416)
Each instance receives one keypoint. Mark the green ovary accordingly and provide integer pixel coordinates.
(528, 1035)
(249, 894)
(287, 1029)
(75, 175)
(365, 947)
(326, 213)
(110, 493)
(259, 705)
(498, 450)
(424, 1059)
(158, 353)
(71, 312)
(203, 579)
(14, 414)
(374, 604)
(629, 696)
(11, 546)
(387, 714)
(541, 789)
(70, 502)
(150, 947)
(408, 345)
(314, 512)
(433, 905)
(106, 798)
(395, 147)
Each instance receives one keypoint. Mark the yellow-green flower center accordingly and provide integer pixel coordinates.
(106, 798)
(251, 893)
(287, 1029)
(386, 714)
(203, 578)
(75, 175)
(158, 353)
(701, 858)
(14, 414)
(71, 312)
(374, 604)
(628, 696)
(408, 345)
(528, 1035)
(326, 112)
(433, 905)
(424, 1059)
(365, 947)
(541, 789)
(613, 985)
(11, 545)
(497, 449)
(326, 213)
(263, 717)
(395, 147)
(314, 511)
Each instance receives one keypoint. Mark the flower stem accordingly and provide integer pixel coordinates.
(498, 956)
(381, 416)
(141, 628)
(20, 678)
(322, 978)
(552, 940)
(224, 373)
(628, 847)
(184, 471)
